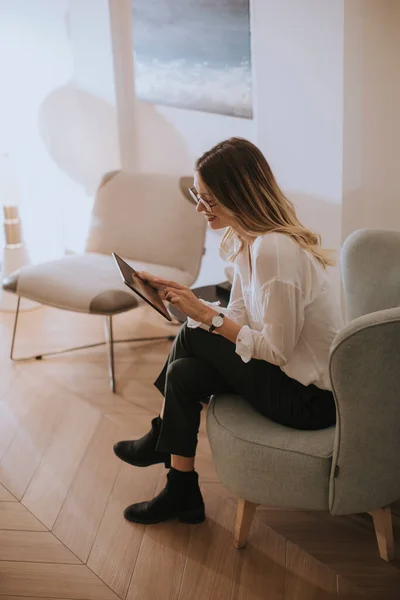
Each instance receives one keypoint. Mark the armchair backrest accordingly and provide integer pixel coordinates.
(370, 265)
(146, 218)
(365, 375)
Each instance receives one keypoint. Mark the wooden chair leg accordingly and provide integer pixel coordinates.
(244, 519)
(384, 532)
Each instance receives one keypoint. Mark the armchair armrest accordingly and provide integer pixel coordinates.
(365, 374)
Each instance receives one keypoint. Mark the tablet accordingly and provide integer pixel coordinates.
(142, 288)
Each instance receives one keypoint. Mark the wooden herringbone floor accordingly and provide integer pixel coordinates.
(62, 491)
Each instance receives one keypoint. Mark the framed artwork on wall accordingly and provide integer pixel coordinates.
(194, 54)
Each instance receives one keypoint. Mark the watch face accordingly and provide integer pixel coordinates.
(218, 321)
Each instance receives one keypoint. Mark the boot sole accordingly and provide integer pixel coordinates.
(167, 462)
(190, 517)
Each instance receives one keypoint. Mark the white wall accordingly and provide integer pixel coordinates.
(298, 54)
(57, 114)
(35, 57)
(372, 115)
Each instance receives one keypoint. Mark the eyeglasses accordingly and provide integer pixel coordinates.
(197, 198)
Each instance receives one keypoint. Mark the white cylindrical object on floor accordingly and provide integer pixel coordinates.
(14, 259)
(15, 256)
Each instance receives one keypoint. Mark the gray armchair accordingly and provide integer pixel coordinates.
(143, 218)
(355, 466)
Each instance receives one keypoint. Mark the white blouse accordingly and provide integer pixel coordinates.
(289, 313)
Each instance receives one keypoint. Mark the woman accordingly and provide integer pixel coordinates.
(271, 345)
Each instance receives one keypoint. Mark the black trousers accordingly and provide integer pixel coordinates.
(201, 364)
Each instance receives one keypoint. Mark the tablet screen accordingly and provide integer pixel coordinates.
(140, 287)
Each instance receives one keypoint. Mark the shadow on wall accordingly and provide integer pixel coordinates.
(80, 133)
(160, 148)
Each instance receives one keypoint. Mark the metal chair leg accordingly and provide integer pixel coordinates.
(15, 328)
(109, 341)
(108, 327)
(160, 338)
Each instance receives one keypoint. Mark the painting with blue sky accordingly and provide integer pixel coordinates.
(194, 54)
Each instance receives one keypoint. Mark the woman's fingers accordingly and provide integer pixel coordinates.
(150, 279)
(171, 295)
(168, 283)
(174, 292)
(159, 282)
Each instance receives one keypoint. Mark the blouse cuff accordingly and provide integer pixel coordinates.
(192, 324)
(245, 344)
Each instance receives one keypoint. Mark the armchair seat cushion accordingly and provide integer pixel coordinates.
(88, 283)
(267, 463)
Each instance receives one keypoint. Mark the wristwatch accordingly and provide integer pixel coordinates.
(217, 321)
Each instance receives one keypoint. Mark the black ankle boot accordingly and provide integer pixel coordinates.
(142, 452)
(180, 499)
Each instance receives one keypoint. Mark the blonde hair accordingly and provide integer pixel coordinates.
(238, 176)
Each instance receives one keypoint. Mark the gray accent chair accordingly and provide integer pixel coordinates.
(355, 466)
(147, 220)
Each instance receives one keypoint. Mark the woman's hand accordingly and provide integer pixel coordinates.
(179, 295)
(150, 279)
